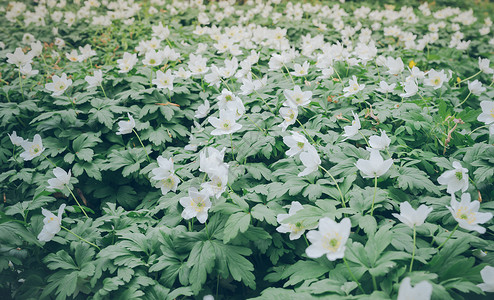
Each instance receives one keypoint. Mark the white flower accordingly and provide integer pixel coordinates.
(18, 58)
(412, 217)
(435, 79)
(61, 179)
(169, 183)
(202, 110)
(466, 213)
(125, 127)
(395, 66)
(311, 161)
(210, 160)
(484, 66)
(73, 56)
(475, 87)
(32, 149)
(164, 80)
(225, 124)
(300, 70)
(27, 70)
(152, 58)
(380, 142)
(196, 205)
(59, 84)
(52, 224)
(353, 129)
(375, 166)
(411, 88)
(16, 140)
(329, 239)
(289, 116)
(95, 80)
(218, 183)
(127, 62)
(164, 169)
(487, 115)
(353, 87)
(384, 87)
(296, 142)
(296, 230)
(456, 179)
(487, 274)
(296, 97)
(422, 290)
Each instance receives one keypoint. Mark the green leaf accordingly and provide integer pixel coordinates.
(415, 179)
(238, 222)
(201, 262)
(304, 270)
(262, 212)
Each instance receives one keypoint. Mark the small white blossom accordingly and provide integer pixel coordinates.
(52, 224)
(125, 127)
(456, 179)
(329, 239)
(467, 214)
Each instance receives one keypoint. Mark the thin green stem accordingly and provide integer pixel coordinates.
(289, 73)
(306, 133)
(478, 129)
(306, 241)
(82, 239)
(260, 129)
(53, 164)
(76, 201)
(20, 82)
(207, 231)
(464, 99)
(414, 243)
(103, 89)
(149, 160)
(440, 246)
(470, 77)
(374, 198)
(374, 284)
(353, 276)
(266, 103)
(365, 139)
(226, 84)
(233, 152)
(337, 186)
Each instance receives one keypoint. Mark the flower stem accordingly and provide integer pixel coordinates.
(260, 129)
(82, 239)
(374, 284)
(413, 252)
(207, 231)
(353, 276)
(456, 227)
(464, 99)
(365, 139)
(306, 133)
(49, 160)
(306, 241)
(289, 73)
(231, 141)
(20, 82)
(103, 89)
(76, 201)
(374, 198)
(337, 186)
(149, 160)
(470, 77)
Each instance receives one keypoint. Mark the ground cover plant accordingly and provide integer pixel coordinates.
(258, 150)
